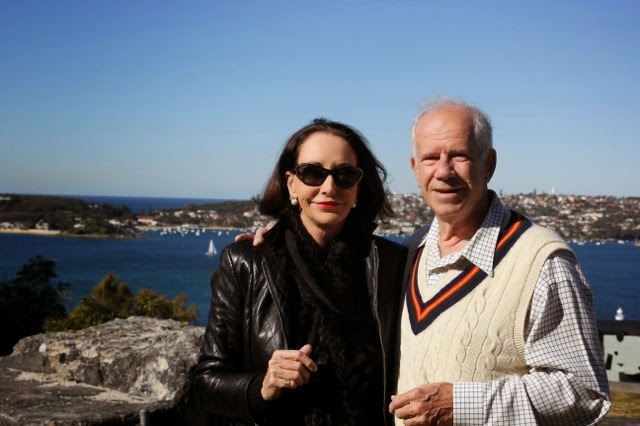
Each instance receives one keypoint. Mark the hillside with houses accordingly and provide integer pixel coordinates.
(575, 217)
(66, 216)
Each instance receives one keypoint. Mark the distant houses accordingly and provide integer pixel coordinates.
(574, 217)
(147, 221)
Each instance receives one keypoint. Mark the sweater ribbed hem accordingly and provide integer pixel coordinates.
(257, 404)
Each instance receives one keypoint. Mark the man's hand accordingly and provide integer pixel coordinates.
(430, 404)
(258, 238)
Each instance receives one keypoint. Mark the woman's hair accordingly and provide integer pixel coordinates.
(372, 199)
(481, 123)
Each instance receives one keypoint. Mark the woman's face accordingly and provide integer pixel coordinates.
(324, 208)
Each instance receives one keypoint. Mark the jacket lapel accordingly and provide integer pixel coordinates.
(274, 267)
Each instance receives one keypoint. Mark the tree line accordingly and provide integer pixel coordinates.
(34, 301)
(71, 216)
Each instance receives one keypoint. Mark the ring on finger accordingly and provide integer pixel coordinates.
(287, 383)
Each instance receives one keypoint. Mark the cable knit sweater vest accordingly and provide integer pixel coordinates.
(481, 337)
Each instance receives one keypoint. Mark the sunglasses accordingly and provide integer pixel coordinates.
(314, 175)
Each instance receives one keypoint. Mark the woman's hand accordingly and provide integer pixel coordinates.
(288, 369)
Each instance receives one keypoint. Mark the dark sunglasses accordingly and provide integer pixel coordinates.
(314, 175)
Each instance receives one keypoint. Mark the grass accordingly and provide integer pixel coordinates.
(625, 404)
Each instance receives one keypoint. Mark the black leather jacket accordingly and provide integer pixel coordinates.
(248, 320)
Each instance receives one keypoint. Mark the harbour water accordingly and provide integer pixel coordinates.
(171, 264)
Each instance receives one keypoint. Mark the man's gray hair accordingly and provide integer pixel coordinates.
(482, 130)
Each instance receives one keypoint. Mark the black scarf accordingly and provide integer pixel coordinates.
(331, 309)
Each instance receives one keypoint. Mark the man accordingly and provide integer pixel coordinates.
(498, 325)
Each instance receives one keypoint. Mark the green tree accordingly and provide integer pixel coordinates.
(150, 304)
(29, 300)
(114, 295)
(112, 299)
(180, 312)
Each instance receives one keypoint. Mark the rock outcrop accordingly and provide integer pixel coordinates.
(103, 375)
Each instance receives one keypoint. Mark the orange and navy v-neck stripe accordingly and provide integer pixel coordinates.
(421, 314)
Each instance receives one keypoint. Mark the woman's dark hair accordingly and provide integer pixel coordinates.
(372, 200)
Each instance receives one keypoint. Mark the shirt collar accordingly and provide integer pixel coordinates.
(482, 247)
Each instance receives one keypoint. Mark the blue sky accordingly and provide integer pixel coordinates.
(196, 98)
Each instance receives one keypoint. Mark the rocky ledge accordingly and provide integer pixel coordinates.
(103, 375)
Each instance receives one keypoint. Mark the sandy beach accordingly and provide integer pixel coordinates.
(28, 231)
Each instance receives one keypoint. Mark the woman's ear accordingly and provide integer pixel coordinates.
(290, 184)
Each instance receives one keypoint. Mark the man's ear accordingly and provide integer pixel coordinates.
(492, 160)
(414, 164)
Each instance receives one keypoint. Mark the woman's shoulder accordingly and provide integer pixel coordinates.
(238, 248)
(246, 252)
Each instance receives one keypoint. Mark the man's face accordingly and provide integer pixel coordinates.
(449, 169)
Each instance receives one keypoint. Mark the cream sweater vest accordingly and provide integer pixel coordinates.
(481, 337)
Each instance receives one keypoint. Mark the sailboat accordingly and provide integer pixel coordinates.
(212, 249)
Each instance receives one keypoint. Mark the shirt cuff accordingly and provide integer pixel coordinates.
(468, 403)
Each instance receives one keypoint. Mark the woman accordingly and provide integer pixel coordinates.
(301, 329)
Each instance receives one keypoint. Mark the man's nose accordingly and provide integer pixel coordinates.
(444, 169)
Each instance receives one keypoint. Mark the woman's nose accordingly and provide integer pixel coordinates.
(329, 185)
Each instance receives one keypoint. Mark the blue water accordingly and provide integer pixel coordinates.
(172, 264)
(168, 264)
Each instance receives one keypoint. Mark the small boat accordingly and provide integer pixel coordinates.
(212, 249)
(619, 314)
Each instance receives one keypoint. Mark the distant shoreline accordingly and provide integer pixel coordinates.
(45, 233)
(29, 232)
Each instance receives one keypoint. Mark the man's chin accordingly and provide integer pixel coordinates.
(445, 198)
